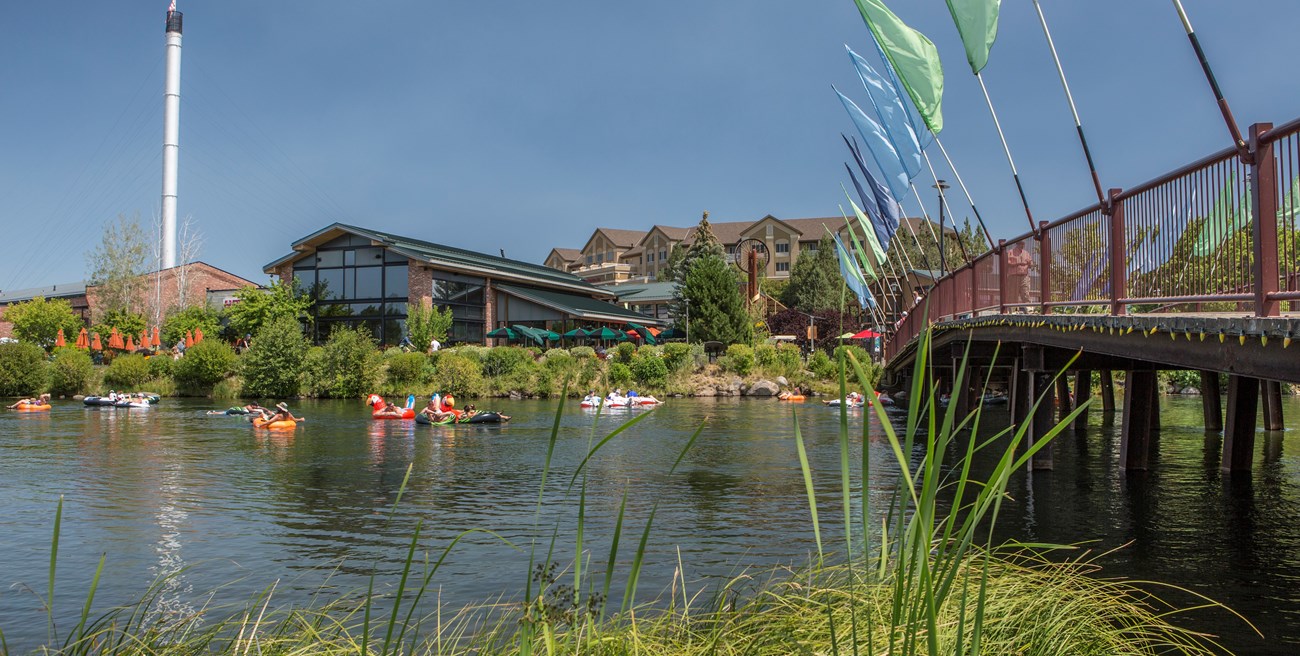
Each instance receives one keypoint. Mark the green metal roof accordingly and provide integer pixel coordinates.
(455, 257)
(583, 307)
(644, 292)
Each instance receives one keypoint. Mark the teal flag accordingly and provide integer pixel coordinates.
(892, 115)
(870, 235)
(882, 149)
(1225, 219)
(977, 22)
(914, 57)
(852, 276)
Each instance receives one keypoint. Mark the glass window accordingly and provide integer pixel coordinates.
(650, 257)
(349, 258)
(369, 282)
(395, 281)
(811, 246)
(394, 330)
(663, 255)
(329, 284)
(369, 256)
(588, 259)
(783, 247)
(782, 266)
(366, 309)
(331, 310)
(394, 309)
(600, 258)
(329, 258)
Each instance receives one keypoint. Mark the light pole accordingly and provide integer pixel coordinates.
(687, 302)
(943, 237)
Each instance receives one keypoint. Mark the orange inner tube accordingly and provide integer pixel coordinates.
(28, 407)
(792, 397)
(274, 425)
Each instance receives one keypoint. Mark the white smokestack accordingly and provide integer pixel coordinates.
(171, 136)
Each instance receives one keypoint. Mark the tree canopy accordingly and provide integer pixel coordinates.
(257, 307)
(117, 264)
(717, 309)
(815, 282)
(38, 321)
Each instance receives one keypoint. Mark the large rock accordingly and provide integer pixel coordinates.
(762, 388)
(734, 388)
(1191, 391)
(706, 391)
(780, 380)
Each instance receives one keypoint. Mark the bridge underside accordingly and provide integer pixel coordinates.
(1026, 355)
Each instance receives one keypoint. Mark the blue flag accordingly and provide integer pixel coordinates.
(893, 117)
(853, 276)
(872, 212)
(888, 211)
(923, 135)
(882, 149)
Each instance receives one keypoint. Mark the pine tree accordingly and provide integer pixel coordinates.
(704, 243)
(815, 283)
(717, 310)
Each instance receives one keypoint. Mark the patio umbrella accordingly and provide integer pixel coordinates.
(605, 332)
(198, 335)
(576, 333)
(848, 335)
(548, 334)
(503, 333)
(130, 344)
(59, 341)
(866, 334)
(189, 339)
(95, 345)
(642, 331)
(114, 340)
(535, 335)
(672, 333)
(155, 341)
(144, 339)
(83, 340)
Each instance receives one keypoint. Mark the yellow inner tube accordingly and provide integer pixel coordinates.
(262, 423)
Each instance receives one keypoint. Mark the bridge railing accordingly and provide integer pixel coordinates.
(1217, 235)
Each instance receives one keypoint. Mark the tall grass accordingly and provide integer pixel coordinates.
(916, 581)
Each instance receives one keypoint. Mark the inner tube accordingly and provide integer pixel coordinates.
(286, 424)
(791, 397)
(407, 413)
(486, 417)
(97, 400)
(32, 407)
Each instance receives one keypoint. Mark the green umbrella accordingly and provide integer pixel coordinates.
(528, 332)
(503, 333)
(643, 332)
(605, 332)
(673, 333)
(577, 333)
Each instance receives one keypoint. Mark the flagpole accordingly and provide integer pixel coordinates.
(928, 224)
(1209, 76)
(1078, 125)
(943, 199)
(1014, 174)
(952, 166)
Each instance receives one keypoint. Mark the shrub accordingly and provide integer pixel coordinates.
(126, 323)
(765, 356)
(475, 353)
(348, 366)
(457, 374)
(740, 359)
(505, 360)
(38, 321)
(873, 370)
(623, 354)
(205, 364)
(650, 370)
(677, 356)
(822, 367)
(698, 356)
(71, 372)
(407, 368)
(558, 369)
(582, 352)
(619, 374)
(1180, 378)
(196, 317)
(22, 369)
(127, 371)
(788, 359)
(161, 366)
(555, 351)
(423, 325)
(274, 363)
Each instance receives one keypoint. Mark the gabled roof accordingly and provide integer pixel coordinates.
(813, 229)
(620, 238)
(439, 255)
(61, 290)
(671, 232)
(583, 307)
(566, 254)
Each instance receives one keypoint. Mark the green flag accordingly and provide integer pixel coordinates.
(977, 22)
(914, 58)
(1224, 219)
(870, 234)
(1289, 209)
(861, 252)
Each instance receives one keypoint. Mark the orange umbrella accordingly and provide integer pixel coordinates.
(59, 341)
(83, 341)
(95, 345)
(156, 342)
(130, 343)
(114, 340)
(189, 339)
(198, 335)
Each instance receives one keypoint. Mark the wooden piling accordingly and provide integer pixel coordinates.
(1273, 406)
(1107, 391)
(1239, 430)
(1136, 431)
(1211, 406)
(1082, 392)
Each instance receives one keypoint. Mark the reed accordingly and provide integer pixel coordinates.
(917, 581)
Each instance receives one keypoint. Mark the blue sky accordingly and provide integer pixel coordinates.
(523, 126)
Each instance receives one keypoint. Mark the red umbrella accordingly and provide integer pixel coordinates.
(95, 345)
(189, 339)
(156, 342)
(198, 335)
(59, 341)
(866, 334)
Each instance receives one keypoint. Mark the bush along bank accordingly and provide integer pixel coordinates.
(281, 363)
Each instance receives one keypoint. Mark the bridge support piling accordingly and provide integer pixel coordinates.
(1082, 392)
(1273, 406)
(961, 396)
(1239, 431)
(1211, 406)
(1064, 405)
(1042, 419)
(1107, 391)
(1136, 431)
(1021, 396)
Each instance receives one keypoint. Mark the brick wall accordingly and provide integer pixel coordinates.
(158, 294)
(419, 285)
(490, 306)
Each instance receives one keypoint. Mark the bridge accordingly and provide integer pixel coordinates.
(1198, 269)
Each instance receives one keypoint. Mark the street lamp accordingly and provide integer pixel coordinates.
(943, 237)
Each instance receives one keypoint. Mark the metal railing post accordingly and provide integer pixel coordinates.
(1119, 254)
(974, 287)
(1002, 276)
(1044, 268)
(1263, 172)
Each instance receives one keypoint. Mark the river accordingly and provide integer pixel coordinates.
(221, 507)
